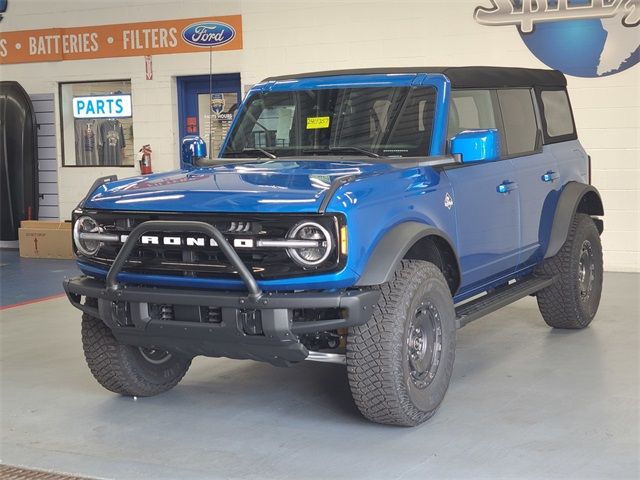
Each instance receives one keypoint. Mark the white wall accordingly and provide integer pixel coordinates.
(285, 37)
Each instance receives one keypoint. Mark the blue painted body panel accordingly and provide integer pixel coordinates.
(497, 236)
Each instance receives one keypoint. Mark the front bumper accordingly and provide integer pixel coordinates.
(126, 311)
(255, 324)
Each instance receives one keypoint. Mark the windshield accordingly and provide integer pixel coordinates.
(369, 121)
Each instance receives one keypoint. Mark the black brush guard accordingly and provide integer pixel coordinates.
(254, 324)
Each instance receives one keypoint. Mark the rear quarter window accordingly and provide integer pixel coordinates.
(557, 113)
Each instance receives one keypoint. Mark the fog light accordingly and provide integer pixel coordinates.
(310, 256)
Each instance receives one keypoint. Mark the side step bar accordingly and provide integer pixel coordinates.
(498, 298)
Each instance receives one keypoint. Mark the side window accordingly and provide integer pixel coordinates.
(470, 110)
(518, 115)
(557, 113)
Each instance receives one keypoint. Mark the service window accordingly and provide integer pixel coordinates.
(519, 117)
(97, 124)
(470, 110)
(557, 113)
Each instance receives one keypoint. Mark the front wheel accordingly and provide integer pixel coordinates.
(128, 370)
(399, 363)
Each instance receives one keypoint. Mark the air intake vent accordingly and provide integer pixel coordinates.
(240, 227)
(211, 314)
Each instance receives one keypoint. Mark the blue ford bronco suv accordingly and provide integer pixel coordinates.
(357, 217)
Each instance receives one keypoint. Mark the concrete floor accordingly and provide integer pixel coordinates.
(525, 402)
(26, 279)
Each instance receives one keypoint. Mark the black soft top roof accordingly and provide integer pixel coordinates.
(460, 77)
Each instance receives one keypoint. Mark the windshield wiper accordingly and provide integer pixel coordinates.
(264, 152)
(343, 149)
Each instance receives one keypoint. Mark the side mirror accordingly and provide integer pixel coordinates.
(193, 148)
(476, 145)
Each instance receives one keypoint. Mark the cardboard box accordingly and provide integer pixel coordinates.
(40, 239)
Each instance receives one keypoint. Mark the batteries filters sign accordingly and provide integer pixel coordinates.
(107, 106)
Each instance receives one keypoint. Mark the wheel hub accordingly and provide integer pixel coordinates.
(154, 355)
(586, 270)
(424, 344)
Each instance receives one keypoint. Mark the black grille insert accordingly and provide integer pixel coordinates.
(204, 261)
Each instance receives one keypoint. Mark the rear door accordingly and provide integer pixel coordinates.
(488, 224)
(536, 171)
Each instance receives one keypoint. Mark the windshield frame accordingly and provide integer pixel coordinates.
(408, 90)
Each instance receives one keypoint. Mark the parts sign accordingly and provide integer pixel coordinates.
(107, 106)
(122, 40)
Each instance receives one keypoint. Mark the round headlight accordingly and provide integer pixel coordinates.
(85, 246)
(310, 256)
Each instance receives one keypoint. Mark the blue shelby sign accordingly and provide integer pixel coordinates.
(208, 34)
(583, 38)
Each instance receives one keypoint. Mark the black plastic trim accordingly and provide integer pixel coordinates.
(570, 198)
(389, 251)
(500, 297)
(278, 344)
(335, 185)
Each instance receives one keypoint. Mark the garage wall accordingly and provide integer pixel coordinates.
(44, 106)
(282, 37)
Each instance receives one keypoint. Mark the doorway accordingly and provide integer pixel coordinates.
(207, 106)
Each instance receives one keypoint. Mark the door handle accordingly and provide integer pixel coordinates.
(550, 176)
(506, 186)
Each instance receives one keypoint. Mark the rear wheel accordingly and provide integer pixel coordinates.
(573, 300)
(128, 370)
(400, 362)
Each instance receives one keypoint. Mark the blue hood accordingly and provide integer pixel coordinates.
(254, 186)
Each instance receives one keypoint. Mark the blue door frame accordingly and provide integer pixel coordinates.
(190, 87)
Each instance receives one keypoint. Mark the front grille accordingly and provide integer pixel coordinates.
(209, 262)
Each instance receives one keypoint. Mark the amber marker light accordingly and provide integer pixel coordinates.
(343, 240)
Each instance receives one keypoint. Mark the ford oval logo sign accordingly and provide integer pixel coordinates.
(208, 34)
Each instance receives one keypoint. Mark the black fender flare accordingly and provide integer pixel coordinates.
(575, 197)
(392, 248)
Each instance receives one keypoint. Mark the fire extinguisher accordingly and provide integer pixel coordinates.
(145, 160)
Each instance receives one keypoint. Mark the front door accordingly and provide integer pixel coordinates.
(485, 198)
(488, 221)
(207, 105)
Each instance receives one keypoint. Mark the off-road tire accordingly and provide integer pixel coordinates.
(122, 368)
(564, 304)
(378, 352)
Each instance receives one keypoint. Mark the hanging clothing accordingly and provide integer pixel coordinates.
(111, 142)
(86, 142)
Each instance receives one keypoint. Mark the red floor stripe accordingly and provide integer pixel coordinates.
(29, 302)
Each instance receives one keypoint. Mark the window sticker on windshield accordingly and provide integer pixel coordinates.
(317, 122)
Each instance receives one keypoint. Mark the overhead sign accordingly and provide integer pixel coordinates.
(122, 40)
(102, 106)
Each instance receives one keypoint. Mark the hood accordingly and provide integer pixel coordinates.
(253, 186)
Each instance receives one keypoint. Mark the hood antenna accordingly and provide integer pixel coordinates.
(210, 146)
